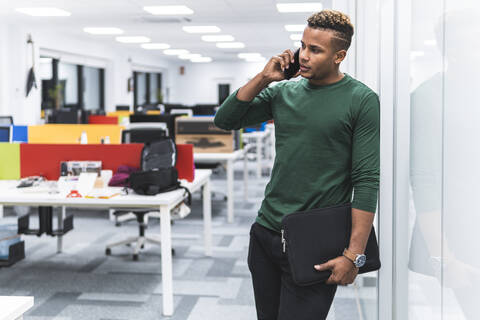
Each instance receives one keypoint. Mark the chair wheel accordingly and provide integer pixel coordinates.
(135, 257)
(117, 224)
(128, 244)
(108, 251)
(173, 252)
(143, 246)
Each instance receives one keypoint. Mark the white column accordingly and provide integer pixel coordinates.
(167, 274)
(207, 218)
(230, 191)
(1, 211)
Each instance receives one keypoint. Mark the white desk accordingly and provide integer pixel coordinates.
(228, 159)
(9, 195)
(13, 308)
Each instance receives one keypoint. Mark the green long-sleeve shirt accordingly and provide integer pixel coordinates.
(327, 141)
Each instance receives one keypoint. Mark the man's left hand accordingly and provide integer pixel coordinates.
(343, 270)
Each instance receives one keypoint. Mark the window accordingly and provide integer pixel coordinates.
(93, 97)
(147, 87)
(66, 85)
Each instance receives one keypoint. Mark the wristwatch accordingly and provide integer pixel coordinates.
(357, 259)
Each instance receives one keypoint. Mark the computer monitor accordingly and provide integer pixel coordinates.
(205, 109)
(5, 133)
(6, 120)
(143, 135)
(169, 119)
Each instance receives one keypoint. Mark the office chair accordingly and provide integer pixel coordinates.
(141, 240)
(144, 134)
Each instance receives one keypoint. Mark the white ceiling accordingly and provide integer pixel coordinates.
(257, 23)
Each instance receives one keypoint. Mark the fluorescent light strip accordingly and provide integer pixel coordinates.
(218, 38)
(168, 10)
(155, 46)
(44, 12)
(230, 45)
(189, 56)
(299, 7)
(132, 39)
(175, 52)
(295, 27)
(296, 36)
(201, 29)
(201, 59)
(103, 31)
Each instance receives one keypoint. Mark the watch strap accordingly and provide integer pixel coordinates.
(349, 255)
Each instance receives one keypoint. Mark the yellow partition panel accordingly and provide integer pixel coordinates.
(9, 161)
(154, 112)
(70, 133)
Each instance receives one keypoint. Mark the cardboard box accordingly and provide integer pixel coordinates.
(205, 136)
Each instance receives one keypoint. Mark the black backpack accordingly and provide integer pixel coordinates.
(157, 170)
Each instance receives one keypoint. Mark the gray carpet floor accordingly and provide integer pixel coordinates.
(84, 283)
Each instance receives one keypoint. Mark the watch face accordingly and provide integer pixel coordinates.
(360, 260)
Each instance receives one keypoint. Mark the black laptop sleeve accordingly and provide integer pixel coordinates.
(318, 235)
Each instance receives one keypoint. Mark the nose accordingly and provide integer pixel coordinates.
(303, 56)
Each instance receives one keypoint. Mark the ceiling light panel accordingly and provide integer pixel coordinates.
(132, 39)
(299, 7)
(168, 10)
(219, 38)
(201, 59)
(189, 56)
(230, 45)
(44, 12)
(155, 46)
(103, 31)
(175, 52)
(201, 29)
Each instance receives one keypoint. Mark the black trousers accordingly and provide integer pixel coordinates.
(277, 297)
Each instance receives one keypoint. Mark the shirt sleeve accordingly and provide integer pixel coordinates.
(235, 114)
(366, 154)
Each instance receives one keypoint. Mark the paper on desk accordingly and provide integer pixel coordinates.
(86, 181)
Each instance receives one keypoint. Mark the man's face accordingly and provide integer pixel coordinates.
(317, 55)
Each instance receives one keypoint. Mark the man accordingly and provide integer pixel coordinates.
(327, 144)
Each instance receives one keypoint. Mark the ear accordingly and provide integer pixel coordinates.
(340, 56)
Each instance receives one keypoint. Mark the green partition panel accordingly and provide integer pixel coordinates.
(9, 161)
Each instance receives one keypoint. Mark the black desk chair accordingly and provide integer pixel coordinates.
(140, 134)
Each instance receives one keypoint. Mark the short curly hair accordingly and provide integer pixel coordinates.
(336, 21)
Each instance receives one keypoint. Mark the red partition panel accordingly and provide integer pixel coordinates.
(94, 119)
(44, 159)
(185, 165)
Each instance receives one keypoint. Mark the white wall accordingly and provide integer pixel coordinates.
(200, 82)
(15, 59)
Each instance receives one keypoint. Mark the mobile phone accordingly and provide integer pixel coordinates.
(293, 67)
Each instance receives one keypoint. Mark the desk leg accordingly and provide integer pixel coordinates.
(61, 217)
(207, 218)
(166, 246)
(245, 175)
(111, 217)
(259, 157)
(230, 191)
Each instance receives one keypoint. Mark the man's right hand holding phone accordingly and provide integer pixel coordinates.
(273, 71)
